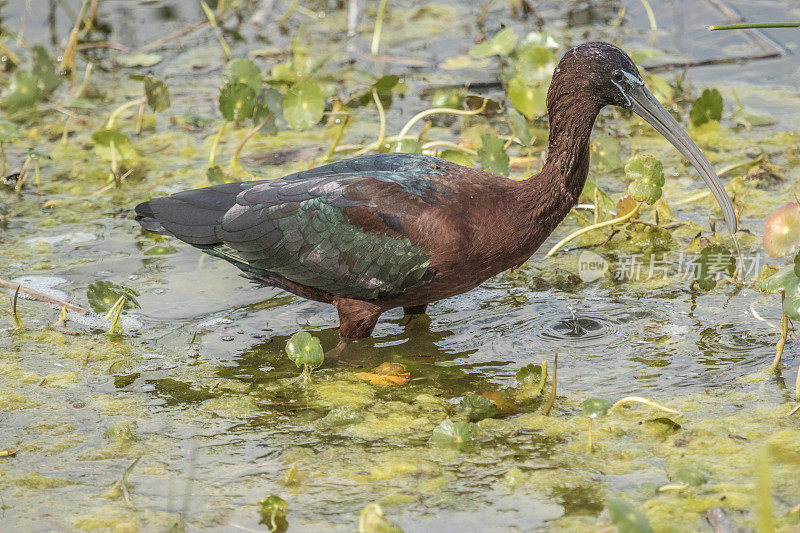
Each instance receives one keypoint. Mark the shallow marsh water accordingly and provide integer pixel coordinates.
(218, 423)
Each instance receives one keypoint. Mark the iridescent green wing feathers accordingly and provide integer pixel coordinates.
(309, 227)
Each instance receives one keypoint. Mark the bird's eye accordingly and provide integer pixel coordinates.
(617, 75)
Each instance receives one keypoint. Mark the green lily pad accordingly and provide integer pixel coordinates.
(449, 99)
(36, 155)
(713, 262)
(459, 158)
(8, 132)
(408, 146)
(531, 373)
(44, 69)
(216, 175)
(530, 100)
(596, 407)
(305, 349)
(535, 64)
(273, 510)
(786, 281)
(626, 517)
(342, 416)
(605, 150)
(113, 145)
(449, 434)
(691, 476)
(492, 155)
(237, 101)
(384, 87)
(478, 407)
(104, 294)
(501, 44)
(646, 175)
(245, 72)
(519, 127)
(157, 93)
(269, 102)
(706, 108)
(303, 105)
(161, 250)
(782, 231)
(23, 92)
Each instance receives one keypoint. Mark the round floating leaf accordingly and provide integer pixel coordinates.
(606, 150)
(386, 374)
(519, 127)
(691, 476)
(408, 146)
(36, 155)
(530, 100)
(303, 105)
(780, 280)
(305, 349)
(157, 93)
(459, 158)
(273, 510)
(160, 250)
(451, 99)
(646, 175)
(535, 64)
(8, 132)
(44, 69)
(713, 262)
(113, 144)
(342, 416)
(23, 92)
(782, 231)
(244, 71)
(384, 86)
(373, 521)
(626, 517)
(501, 44)
(596, 407)
(489, 106)
(237, 101)
(706, 108)
(531, 373)
(478, 407)
(104, 294)
(492, 154)
(449, 434)
(216, 175)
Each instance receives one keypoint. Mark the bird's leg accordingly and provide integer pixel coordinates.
(357, 318)
(415, 309)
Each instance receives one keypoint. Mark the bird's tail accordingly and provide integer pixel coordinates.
(191, 216)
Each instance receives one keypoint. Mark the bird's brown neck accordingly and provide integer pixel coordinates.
(549, 195)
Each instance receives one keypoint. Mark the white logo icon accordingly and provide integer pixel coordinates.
(591, 266)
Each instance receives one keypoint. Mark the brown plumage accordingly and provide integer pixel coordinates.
(399, 230)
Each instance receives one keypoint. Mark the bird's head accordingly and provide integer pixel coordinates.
(609, 77)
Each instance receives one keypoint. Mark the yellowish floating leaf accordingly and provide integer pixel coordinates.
(386, 374)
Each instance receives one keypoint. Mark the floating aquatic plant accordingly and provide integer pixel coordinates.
(306, 352)
(626, 517)
(273, 510)
(372, 520)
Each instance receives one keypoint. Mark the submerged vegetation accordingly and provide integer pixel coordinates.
(144, 390)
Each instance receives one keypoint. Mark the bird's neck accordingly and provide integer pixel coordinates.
(549, 195)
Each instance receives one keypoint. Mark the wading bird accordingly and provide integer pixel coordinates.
(373, 233)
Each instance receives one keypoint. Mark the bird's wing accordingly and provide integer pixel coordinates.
(340, 228)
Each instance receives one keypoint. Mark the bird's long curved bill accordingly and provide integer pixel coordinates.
(644, 104)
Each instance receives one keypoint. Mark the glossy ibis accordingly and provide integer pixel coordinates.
(372, 233)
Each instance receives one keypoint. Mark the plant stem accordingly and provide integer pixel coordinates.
(451, 146)
(587, 229)
(376, 34)
(782, 341)
(645, 401)
(114, 307)
(650, 17)
(247, 137)
(212, 158)
(766, 522)
(115, 328)
(288, 13)
(213, 20)
(755, 25)
(112, 120)
(14, 313)
(590, 435)
(422, 114)
(381, 115)
(36, 295)
(3, 157)
(551, 400)
(337, 137)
